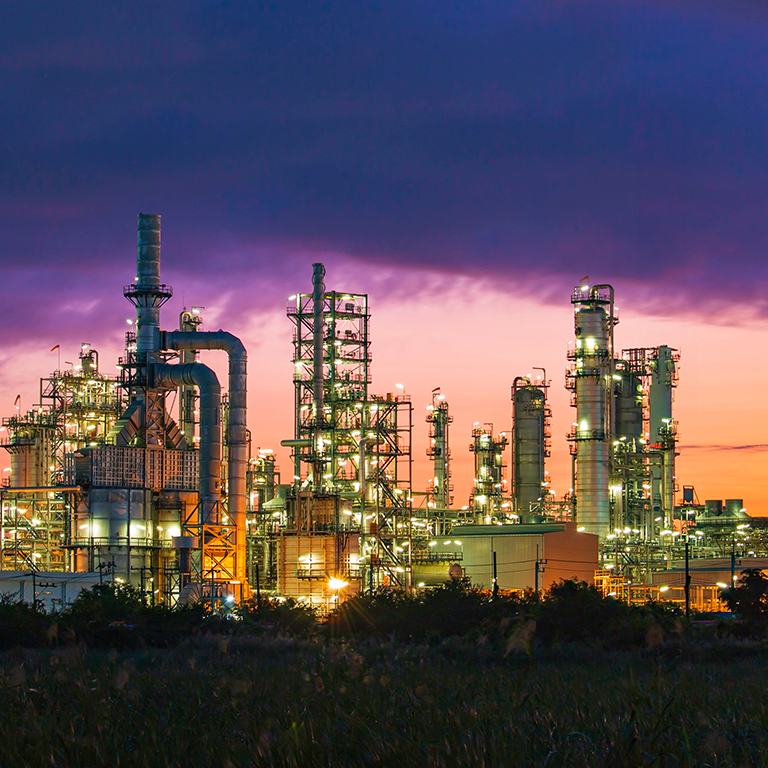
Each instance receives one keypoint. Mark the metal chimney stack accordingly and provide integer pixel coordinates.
(148, 294)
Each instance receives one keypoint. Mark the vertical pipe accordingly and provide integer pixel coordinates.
(187, 323)
(318, 301)
(318, 297)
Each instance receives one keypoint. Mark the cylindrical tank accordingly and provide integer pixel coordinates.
(734, 507)
(593, 375)
(529, 447)
(115, 527)
(629, 405)
(660, 394)
(713, 507)
(30, 454)
(22, 467)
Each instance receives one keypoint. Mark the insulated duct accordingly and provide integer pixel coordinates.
(237, 439)
(201, 376)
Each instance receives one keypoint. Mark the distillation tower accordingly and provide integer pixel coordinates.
(439, 489)
(624, 434)
(643, 479)
(349, 514)
(489, 500)
(530, 445)
(591, 379)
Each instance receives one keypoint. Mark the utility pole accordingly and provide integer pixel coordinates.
(33, 574)
(687, 581)
(538, 569)
(495, 590)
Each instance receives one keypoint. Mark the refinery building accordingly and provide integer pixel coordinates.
(150, 476)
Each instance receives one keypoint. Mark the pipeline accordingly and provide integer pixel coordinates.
(205, 379)
(237, 434)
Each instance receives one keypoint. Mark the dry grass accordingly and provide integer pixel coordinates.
(285, 702)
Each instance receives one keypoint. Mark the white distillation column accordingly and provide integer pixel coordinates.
(593, 373)
(662, 427)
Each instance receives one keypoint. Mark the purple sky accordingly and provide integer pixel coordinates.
(415, 147)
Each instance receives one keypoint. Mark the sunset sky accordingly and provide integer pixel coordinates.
(465, 164)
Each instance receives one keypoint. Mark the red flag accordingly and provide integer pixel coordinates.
(17, 401)
(58, 346)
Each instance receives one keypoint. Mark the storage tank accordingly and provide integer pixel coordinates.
(116, 527)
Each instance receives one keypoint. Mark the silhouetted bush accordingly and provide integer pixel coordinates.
(114, 615)
(749, 600)
(570, 612)
(574, 611)
(22, 624)
(286, 616)
(455, 609)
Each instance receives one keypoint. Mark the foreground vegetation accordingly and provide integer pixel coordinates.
(277, 701)
(114, 616)
(451, 678)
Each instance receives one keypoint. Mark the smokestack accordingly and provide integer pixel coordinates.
(148, 294)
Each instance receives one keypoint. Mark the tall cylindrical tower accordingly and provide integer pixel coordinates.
(661, 427)
(593, 385)
(439, 451)
(148, 294)
(529, 412)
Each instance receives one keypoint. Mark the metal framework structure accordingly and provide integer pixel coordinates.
(348, 445)
(265, 518)
(439, 487)
(489, 500)
(77, 409)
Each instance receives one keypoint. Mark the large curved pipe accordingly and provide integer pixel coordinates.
(201, 376)
(237, 434)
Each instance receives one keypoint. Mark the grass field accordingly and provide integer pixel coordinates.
(274, 701)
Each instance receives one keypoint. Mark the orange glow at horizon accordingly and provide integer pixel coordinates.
(471, 340)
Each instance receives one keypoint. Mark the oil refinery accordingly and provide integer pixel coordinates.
(149, 476)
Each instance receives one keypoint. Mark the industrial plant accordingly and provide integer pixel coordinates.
(150, 477)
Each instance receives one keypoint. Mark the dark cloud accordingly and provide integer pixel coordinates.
(757, 448)
(519, 141)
